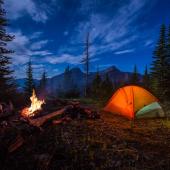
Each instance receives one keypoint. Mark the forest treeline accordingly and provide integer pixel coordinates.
(155, 78)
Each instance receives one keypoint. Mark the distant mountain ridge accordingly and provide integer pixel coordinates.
(58, 83)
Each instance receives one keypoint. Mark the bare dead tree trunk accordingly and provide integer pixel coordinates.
(86, 63)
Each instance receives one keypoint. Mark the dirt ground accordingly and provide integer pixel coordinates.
(106, 143)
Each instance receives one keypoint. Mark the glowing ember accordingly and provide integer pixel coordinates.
(35, 106)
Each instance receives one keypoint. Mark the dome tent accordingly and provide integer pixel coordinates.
(134, 102)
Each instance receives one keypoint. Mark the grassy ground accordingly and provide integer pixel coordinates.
(106, 143)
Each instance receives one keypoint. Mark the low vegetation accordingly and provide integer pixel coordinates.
(105, 143)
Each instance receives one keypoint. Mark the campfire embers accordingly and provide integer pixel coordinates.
(35, 106)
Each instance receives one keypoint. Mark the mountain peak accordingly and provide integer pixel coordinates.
(111, 69)
(76, 70)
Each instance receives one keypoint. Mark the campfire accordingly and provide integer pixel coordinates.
(38, 116)
(35, 106)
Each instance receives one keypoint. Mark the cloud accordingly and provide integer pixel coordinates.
(36, 35)
(148, 43)
(64, 58)
(19, 44)
(17, 9)
(65, 33)
(38, 45)
(25, 48)
(38, 66)
(124, 51)
(40, 53)
(109, 32)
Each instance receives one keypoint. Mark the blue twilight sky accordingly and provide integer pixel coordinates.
(52, 32)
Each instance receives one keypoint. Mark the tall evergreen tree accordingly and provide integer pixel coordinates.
(29, 84)
(146, 79)
(106, 87)
(159, 67)
(96, 86)
(7, 86)
(135, 77)
(67, 69)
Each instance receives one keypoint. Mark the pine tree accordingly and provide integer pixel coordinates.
(135, 77)
(29, 84)
(106, 87)
(159, 67)
(146, 79)
(67, 69)
(96, 86)
(7, 86)
(43, 85)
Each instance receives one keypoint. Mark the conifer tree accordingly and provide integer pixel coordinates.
(7, 86)
(135, 77)
(29, 84)
(146, 79)
(67, 69)
(106, 87)
(159, 67)
(96, 86)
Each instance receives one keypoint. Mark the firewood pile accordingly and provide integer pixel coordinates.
(16, 129)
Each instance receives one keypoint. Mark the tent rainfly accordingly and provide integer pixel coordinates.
(134, 102)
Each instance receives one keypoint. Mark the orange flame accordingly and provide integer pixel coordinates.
(35, 106)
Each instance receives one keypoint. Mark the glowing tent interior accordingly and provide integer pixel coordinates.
(134, 102)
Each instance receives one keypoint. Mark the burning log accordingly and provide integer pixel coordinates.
(41, 120)
(35, 106)
(68, 112)
(71, 111)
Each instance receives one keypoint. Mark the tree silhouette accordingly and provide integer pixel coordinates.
(7, 86)
(135, 77)
(146, 79)
(86, 63)
(29, 84)
(159, 66)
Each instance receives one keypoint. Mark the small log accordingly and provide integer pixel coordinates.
(62, 120)
(41, 120)
(57, 122)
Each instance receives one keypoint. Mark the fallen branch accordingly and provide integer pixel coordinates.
(41, 120)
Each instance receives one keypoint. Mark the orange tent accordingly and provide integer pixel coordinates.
(128, 100)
